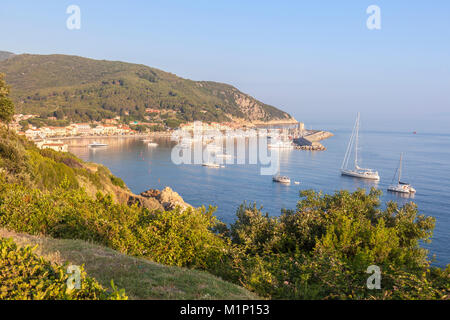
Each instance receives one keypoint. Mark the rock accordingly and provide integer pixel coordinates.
(152, 193)
(171, 199)
(167, 198)
(149, 203)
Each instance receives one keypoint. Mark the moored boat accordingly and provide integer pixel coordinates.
(356, 171)
(281, 179)
(97, 144)
(211, 165)
(281, 145)
(401, 187)
(223, 155)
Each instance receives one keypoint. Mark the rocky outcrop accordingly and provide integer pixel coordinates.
(152, 193)
(167, 198)
(149, 203)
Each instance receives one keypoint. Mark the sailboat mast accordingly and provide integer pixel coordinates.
(349, 148)
(356, 141)
(400, 168)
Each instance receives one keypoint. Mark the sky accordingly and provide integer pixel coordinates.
(316, 60)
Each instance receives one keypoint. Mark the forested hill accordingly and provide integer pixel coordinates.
(85, 89)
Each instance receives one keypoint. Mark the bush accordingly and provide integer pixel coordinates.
(117, 182)
(324, 247)
(25, 276)
(181, 238)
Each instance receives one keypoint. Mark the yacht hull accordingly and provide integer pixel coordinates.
(368, 176)
(402, 189)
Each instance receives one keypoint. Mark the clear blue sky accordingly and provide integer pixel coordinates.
(314, 59)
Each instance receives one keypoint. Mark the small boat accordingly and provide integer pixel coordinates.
(223, 155)
(281, 179)
(296, 182)
(146, 140)
(357, 171)
(97, 144)
(152, 144)
(401, 187)
(211, 165)
(281, 145)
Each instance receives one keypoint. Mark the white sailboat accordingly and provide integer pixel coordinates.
(401, 187)
(357, 171)
(281, 179)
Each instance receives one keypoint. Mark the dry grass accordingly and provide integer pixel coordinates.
(141, 279)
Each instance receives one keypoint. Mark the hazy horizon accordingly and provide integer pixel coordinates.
(320, 63)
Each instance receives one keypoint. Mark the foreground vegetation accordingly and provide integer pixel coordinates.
(140, 278)
(321, 250)
(26, 276)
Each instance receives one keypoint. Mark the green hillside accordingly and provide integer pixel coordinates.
(86, 89)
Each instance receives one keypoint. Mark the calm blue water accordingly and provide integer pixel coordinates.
(426, 166)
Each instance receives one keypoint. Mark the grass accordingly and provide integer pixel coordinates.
(141, 279)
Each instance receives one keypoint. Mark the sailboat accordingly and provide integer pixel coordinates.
(357, 171)
(401, 187)
(279, 178)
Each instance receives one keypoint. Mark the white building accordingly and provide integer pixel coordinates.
(54, 145)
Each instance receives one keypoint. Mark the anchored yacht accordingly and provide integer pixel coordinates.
(356, 171)
(401, 187)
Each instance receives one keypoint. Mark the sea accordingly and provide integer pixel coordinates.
(426, 165)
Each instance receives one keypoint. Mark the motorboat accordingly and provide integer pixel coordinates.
(281, 179)
(211, 165)
(281, 145)
(97, 144)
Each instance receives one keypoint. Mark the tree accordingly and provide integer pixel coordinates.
(6, 105)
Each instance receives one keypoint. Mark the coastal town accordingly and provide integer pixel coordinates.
(51, 137)
(106, 127)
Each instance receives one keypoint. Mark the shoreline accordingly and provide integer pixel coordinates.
(153, 134)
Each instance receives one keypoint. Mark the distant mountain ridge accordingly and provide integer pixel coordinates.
(77, 88)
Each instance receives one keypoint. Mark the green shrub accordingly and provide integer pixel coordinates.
(324, 247)
(117, 182)
(25, 276)
(181, 238)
